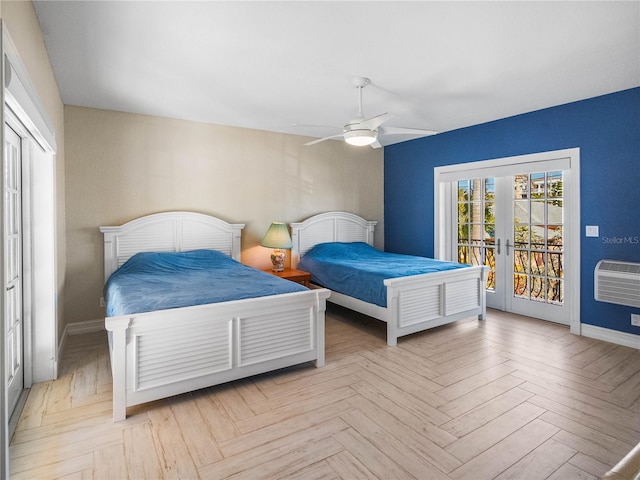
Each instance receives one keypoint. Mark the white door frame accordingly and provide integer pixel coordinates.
(20, 102)
(445, 213)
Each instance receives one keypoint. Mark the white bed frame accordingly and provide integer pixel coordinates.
(414, 303)
(164, 353)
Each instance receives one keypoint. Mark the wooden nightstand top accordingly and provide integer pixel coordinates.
(294, 275)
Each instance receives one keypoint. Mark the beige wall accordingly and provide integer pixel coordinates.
(112, 167)
(120, 166)
(20, 20)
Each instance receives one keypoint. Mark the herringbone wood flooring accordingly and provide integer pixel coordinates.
(508, 398)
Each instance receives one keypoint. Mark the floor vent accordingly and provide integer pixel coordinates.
(617, 282)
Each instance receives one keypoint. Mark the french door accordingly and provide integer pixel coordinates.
(13, 312)
(515, 226)
(520, 216)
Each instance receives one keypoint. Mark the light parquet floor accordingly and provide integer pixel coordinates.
(508, 398)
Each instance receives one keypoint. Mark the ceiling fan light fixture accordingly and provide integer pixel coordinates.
(360, 138)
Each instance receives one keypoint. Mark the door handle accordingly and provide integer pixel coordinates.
(498, 246)
(507, 245)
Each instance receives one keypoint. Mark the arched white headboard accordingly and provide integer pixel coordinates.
(169, 232)
(329, 227)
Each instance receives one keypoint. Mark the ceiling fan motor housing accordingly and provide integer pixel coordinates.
(359, 136)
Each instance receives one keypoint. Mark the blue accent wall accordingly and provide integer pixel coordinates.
(607, 131)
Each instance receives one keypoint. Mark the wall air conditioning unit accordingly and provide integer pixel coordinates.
(617, 282)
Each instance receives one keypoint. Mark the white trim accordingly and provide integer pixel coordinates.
(41, 191)
(22, 97)
(572, 177)
(611, 336)
(78, 328)
(504, 167)
(569, 161)
(4, 420)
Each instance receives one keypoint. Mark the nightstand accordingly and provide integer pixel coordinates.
(293, 275)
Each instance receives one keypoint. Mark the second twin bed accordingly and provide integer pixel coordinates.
(409, 293)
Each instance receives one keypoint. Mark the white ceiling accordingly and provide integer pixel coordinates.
(271, 65)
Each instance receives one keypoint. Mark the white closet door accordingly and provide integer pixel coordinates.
(13, 318)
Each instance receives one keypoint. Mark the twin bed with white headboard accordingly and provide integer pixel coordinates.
(413, 303)
(157, 354)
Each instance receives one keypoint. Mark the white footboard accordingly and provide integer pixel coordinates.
(164, 353)
(414, 303)
(420, 302)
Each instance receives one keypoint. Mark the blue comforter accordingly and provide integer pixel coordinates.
(158, 281)
(358, 270)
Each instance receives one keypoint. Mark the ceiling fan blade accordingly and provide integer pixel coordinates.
(304, 125)
(374, 122)
(376, 144)
(313, 142)
(407, 131)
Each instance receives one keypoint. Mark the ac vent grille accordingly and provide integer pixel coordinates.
(617, 282)
(623, 267)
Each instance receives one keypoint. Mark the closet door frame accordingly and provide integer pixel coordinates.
(20, 101)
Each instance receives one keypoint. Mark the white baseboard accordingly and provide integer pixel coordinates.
(611, 336)
(76, 329)
(84, 327)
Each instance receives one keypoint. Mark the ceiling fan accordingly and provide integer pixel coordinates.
(362, 131)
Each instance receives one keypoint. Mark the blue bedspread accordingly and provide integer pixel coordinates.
(158, 281)
(358, 270)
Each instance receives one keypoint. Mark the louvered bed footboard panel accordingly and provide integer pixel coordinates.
(461, 296)
(275, 335)
(167, 355)
(418, 305)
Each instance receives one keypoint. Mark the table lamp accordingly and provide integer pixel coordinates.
(277, 237)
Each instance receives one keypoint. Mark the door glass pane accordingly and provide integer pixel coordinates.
(521, 261)
(555, 291)
(536, 185)
(537, 288)
(521, 235)
(536, 263)
(476, 256)
(520, 285)
(555, 220)
(554, 185)
(463, 254)
(490, 261)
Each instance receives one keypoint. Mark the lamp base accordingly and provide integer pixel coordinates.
(277, 259)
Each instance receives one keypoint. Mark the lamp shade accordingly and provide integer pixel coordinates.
(277, 236)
